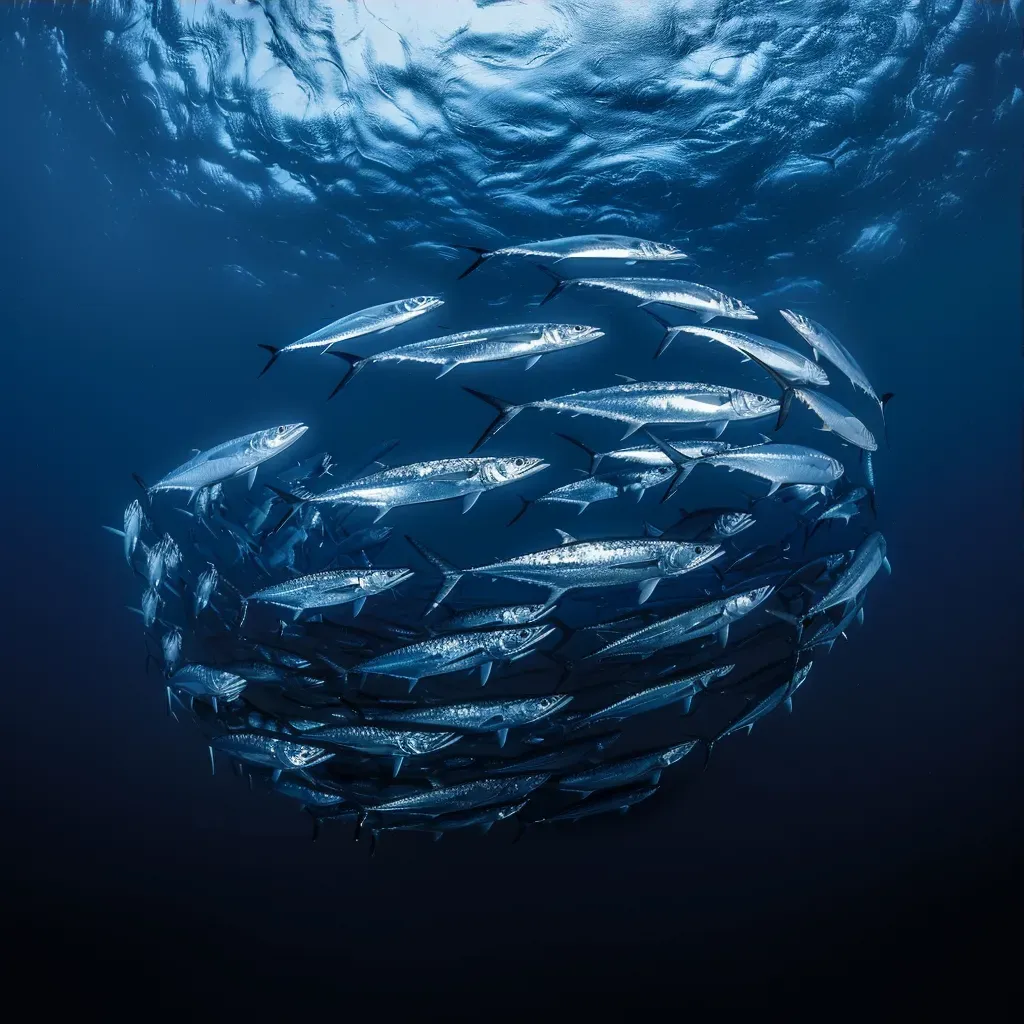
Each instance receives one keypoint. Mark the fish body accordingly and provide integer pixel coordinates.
(483, 345)
(455, 652)
(134, 520)
(837, 418)
(310, 796)
(485, 817)
(712, 617)
(372, 320)
(627, 771)
(170, 645)
(556, 760)
(329, 588)
(869, 557)
(824, 343)
(421, 482)
(577, 247)
(654, 698)
(375, 739)
(206, 587)
(270, 751)
(590, 563)
(705, 301)
(711, 524)
(639, 404)
(620, 802)
(464, 796)
(475, 716)
(582, 493)
(239, 457)
(790, 363)
(505, 616)
(780, 464)
(204, 681)
(780, 695)
(649, 457)
(845, 507)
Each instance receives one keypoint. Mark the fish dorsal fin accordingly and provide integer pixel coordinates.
(765, 438)
(628, 380)
(567, 538)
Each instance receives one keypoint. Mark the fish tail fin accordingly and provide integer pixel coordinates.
(670, 332)
(355, 364)
(506, 412)
(451, 573)
(114, 530)
(142, 483)
(560, 283)
(296, 497)
(882, 403)
(527, 502)
(683, 463)
(595, 457)
(274, 352)
(481, 255)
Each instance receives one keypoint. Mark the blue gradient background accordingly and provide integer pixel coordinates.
(864, 850)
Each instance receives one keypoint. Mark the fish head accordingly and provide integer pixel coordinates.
(799, 323)
(301, 755)
(423, 303)
(814, 373)
(684, 557)
(375, 580)
(550, 704)
(678, 752)
(573, 334)
(738, 310)
(276, 439)
(133, 518)
(660, 251)
(227, 685)
(508, 469)
(714, 674)
(741, 604)
(728, 524)
(510, 643)
(748, 405)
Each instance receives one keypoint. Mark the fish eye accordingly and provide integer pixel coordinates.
(698, 551)
(663, 469)
(518, 462)
(524, 634)
(280, 430)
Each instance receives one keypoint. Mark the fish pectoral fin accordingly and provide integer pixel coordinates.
(705, 317)
(357, 606)
(485, 672)
(532, 362)
(470, 500)
(647, 588)
(788, 702)
(447, 368)
(250, 477)
(567, 538)
(718, 426)
(396, 763)
(887, 566)
(723, 635)
(382, 513)
(502, 735)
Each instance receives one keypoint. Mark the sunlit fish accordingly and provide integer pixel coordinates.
(206, 587)
(269, 751)
(134, 520)
(654, 698)
(372, 320)
(581, 494)
(589, 563)
(639, 404)
(867, 560)
(823, 342)
(420, 482)
(398, 744)
(170, 646)
(150, 604)
(504, 615)
(329, 588)
(620, 802)
(486, 345)
(456, 652)
(241, 456)
(712, 617)
(204, 681)
(780, 695)
(579, 247)
(707, 302)
(646, 455)
(627, 771)
(310, 796)
(482, 716)
(790, 363)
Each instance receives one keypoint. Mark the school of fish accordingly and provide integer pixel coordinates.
(385, 683)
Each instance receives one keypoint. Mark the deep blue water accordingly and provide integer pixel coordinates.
(866, 847)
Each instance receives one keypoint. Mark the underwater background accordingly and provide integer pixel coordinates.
(184, 181)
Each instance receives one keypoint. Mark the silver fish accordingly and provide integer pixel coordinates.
(648, 456)
(558, 759)
(790, 363)
(456, 652)
(134, 520)
(238, 457)
(206, 587)
(329, 588)
(708, 302)
(485, 817)
(583, 493)
(270, 751)
(372, 320)
(398, 744)
(506, 615)
(844, 508)
(589, 563)
(712, 617)
(204, 681)
(306, 794)
(869, 557)
(638, 404)
(465, 795)
(497, 716)
(577, 247)
(823, 342)
(170, 645)
(642, 768)
(620, 802)
(656, 697)
(780, 695)
(150, 604)
(420, 482)
(484, 345)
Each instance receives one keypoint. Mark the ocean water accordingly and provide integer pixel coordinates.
(185, 181)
